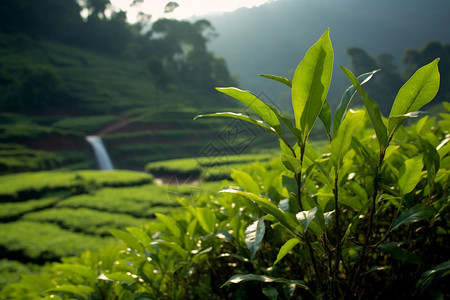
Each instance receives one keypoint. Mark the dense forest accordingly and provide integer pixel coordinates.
(173, 52)
(270, 38)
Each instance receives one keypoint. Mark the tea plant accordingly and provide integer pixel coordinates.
(367, 219)
(340, 215)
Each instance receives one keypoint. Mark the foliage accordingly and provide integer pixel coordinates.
(336, 225)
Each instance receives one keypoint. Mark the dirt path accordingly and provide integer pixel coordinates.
(119, 123)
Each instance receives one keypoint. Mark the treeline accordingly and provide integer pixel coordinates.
(384, 86)
(173, 51)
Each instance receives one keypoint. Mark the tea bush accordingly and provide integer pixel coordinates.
(368, 218)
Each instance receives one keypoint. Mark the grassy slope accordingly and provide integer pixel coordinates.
(155, 123)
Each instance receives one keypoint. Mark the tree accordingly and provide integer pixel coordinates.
(385, 84)
(413, 59)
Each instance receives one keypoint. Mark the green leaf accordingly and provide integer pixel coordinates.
(238, 116)
(207, 219)
(347, 97)
(400, 253)
(129, 240)
(245, 181)
(325, 116)
(369, 156)
(311, 83)
(119, 277)
(238, 278)
(432, 275)
(80, 290)
(285, 249)
(288, 221)
(305, 217)
(255, 104)
(410, 174)
(270, 292)
(420, 89)
(254, 235)
(172, 246)
(291, 163)
(170, 224)
(140, 234)
(80, 270)
(283, 80)
(343, 137)
(431, 160)
(417, 213)
(372, 110)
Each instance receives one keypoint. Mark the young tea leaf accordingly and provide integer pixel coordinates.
(420, 89)
(278, 78)
(255, 104)
(347, 98)
(254, 235)
(372, 110)
(285, 249)
(238, 278)
(414, 214)
(410, 174)
(311, 83)
(343, 137)
(305, 217)
(291, 163)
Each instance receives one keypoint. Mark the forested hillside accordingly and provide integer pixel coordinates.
(63, 77)
(270, 38)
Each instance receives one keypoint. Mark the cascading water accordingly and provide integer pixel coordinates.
(103, 160)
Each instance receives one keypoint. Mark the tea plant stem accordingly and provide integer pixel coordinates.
(337, 233)
(298, 178)
(359, 265)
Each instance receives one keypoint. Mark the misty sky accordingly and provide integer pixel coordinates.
(186, 9)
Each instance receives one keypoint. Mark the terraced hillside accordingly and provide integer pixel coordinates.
(48, 215)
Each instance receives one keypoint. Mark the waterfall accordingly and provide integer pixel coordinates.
(103, 160)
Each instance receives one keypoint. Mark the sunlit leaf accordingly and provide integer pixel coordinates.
(347, 97)
(410, 174)
(311, 83)
(80, 270)
(254, 235)
(305, 217)
(129, 240)
(245, 181)
(343, 137)
(206, 219)
(291, 163)
(254, 103)
(420, 89)
(170, 224)
(288, 221)
(238, 116)
(283, 80)
(285, 249)
(79, 290)
(372, 110)
(238, 278)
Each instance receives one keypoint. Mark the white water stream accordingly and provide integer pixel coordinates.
(103, 160)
